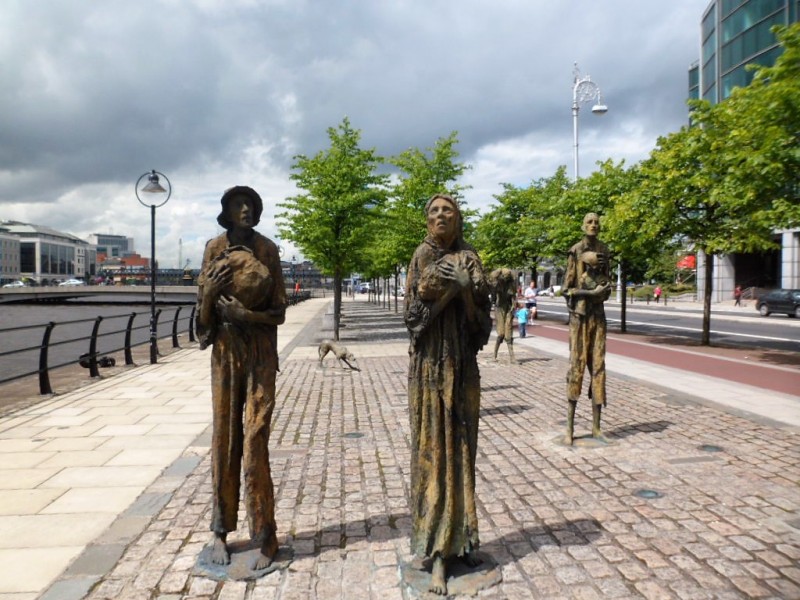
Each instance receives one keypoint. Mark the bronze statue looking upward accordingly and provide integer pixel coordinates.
(447, 314)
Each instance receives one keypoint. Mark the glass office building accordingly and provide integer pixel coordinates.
(49, 256)
(734, 34)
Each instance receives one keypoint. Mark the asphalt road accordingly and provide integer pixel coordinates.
(684, 324)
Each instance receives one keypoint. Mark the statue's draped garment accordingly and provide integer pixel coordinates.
(505, 305)
(587, 326)
(244, 361)
(444, 400)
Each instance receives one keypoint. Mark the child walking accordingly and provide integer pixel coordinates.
(522, 319)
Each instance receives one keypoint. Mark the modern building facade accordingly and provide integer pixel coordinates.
(50, 256)
(735, 34)
(9, 257)
(112, 246)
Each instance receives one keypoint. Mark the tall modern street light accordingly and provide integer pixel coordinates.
(583, 90)
(153, 187)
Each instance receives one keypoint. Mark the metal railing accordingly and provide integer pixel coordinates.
(91, 358)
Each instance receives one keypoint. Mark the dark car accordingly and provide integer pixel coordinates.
(786, 302)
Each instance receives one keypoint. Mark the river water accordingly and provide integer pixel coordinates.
(75, 321)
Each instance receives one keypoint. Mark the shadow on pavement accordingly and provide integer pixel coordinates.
(634, 429)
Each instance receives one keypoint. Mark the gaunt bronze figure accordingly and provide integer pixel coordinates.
(447, 309)
(588, 285)
(504, 293)
(241, 301)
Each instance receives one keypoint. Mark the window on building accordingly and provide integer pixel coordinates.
(27, 257)
(709, 22)
(750, 15)
(709, 76)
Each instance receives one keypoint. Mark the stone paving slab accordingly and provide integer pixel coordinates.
(561, 522)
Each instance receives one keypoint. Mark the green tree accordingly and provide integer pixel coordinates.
(422, 174)
(514, 233)
(334, 222)
(761, 142)
(724, 184)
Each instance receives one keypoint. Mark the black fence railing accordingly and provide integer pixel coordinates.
(92, 358)
(85, 348)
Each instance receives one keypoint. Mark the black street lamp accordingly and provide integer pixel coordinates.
(294, 280)
(153, 186)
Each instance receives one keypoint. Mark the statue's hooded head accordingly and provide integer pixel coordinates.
(258, 206)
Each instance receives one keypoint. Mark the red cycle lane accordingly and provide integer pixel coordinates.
(734, 365)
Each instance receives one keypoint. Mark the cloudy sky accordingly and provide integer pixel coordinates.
(215, 93)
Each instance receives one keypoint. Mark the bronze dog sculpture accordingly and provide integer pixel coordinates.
(340, 352)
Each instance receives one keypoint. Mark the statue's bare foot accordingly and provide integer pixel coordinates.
(268, 551)
(219, 551)
(568, 439)
(438, 577)
(601, 438)
(471, 559)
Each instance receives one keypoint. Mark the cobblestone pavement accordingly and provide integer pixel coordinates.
(561, 522)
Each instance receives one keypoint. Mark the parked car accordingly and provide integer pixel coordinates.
(16, 284)
(72, 282)
(785, 302)
(551, 291)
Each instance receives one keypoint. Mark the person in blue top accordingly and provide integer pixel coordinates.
(522, 319)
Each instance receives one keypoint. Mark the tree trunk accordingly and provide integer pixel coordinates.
(709, 278)
(396, 281)
(623, 275)
(337, 302)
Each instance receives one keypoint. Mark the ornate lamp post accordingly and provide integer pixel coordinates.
(583, 90)
(153, 187)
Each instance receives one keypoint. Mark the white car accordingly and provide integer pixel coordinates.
(15, 284)
(547, 292)
(71, 282)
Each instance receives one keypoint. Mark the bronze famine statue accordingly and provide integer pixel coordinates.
(504, 292)
(587, 286)
(241, 300)
(447, 310)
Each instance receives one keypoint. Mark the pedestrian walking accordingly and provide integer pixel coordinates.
(737, 296)
(530, 299)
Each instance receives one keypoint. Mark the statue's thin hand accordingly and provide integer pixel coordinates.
(462, 276)
(601, 290)
(219, 279)
(232, 309)
(455, 273)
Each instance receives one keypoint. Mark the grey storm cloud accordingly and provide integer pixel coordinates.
(93, 93)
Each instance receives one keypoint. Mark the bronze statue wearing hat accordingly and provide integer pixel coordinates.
(241, 301)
